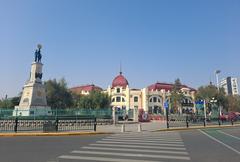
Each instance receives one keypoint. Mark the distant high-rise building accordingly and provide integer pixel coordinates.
(230, 85)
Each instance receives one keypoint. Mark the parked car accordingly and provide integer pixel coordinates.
(232, 116)
(224, 117)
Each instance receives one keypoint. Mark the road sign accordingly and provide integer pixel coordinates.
(166, 105)
(200, 102)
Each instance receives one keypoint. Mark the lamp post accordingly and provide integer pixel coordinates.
(217, 72)
(214, 101)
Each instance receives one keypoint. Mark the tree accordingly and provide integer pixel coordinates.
(209, 92)
(176, 95)
(57, 94)
(9, 102)
(233, 103)
(95, 99)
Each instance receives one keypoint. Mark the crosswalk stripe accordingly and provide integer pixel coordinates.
(150, 135)
(147, 137)
(70, 157)
(143, 140)
(136, 150)
(142, 143)
(136, 146)
(133, 155)
(157, 137)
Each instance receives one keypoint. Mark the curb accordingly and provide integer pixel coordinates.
(52, 134)
(196, 127)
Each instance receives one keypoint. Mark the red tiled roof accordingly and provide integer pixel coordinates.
(166, 86)
(88, 88)
(120, 80)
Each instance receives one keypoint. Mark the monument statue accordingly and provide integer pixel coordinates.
(38, 55)
(33, 100)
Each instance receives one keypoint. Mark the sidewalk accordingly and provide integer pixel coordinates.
(133, 127)
(109, 129)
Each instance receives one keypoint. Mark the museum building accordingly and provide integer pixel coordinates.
(151, 99)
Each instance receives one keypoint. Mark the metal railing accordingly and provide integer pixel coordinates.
(48, 125)
(191, 120)
(58, 120)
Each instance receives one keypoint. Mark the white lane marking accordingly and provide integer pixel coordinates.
(136, 150)
(133, 155)
(229, 147)
(142, 143)
(143, 140)
(229, 135)
(70, 157)
(135, 146)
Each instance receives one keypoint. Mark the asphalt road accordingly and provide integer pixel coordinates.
(210, 145)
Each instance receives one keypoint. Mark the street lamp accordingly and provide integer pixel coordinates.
(217, 72)
(214, 101)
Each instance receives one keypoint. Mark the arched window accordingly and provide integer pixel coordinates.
(118, 99)
(135, 99)
(150, 100)
(154, 99)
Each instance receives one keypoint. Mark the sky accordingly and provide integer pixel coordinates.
(85, 41)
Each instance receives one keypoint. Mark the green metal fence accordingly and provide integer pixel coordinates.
(56, 112)
(56, 120)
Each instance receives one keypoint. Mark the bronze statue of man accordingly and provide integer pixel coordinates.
(36, 55)
(39, 56)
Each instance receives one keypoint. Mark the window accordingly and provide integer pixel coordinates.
(118, 90)
(118, 99)
(154, 99)
(159, 100)
(135, 99)
(113, 99)
(123, 100)
(150, 100)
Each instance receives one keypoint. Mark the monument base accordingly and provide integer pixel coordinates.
(32, 111)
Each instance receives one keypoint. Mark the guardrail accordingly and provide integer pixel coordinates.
(48, 124)
(190, 120)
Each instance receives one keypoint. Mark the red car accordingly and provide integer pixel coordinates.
(229, 116)
(232, 116)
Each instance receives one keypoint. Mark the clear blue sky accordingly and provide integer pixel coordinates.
(85, 40)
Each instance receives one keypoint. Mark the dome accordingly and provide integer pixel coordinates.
(120, 81)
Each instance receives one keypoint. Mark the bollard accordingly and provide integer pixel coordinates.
(56, 124)
(123, 128)
(16, 124)
(139, 127)
(95, 124)
(219, 123)
(232, 122)
(204, 122)
(187, 124)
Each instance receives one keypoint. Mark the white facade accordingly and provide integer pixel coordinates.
(230, 85)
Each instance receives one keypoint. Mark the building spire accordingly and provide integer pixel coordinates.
(120, 68)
